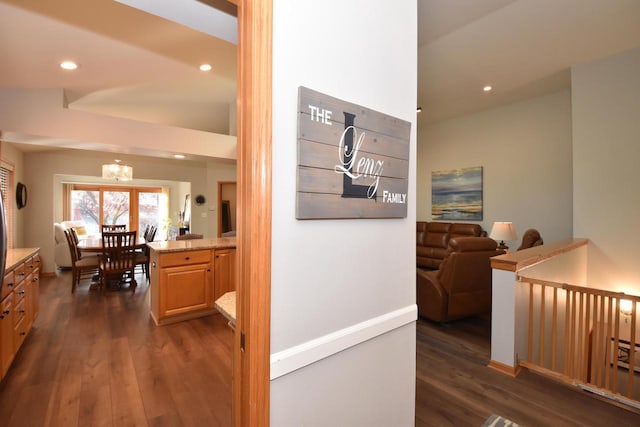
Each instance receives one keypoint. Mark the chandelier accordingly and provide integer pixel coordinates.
(117, 171)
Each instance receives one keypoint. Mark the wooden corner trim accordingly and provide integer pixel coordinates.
(512, 371)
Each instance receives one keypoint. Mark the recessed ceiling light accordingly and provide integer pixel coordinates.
(205, 67)
(68, 65)
(179, 156)
(487, 88)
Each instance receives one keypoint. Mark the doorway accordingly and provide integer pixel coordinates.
(227, 203)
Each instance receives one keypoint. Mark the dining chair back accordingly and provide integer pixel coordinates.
(80, 267)
(74, 236)
(152, 233)
(147, 228)
(118, 257)
(113, 227)
(144, 255)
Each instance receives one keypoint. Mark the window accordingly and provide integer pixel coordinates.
(136, 207)
(6, 186)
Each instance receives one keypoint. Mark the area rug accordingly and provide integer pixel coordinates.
(498, 421)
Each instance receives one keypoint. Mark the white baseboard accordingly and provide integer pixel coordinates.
(286, 361)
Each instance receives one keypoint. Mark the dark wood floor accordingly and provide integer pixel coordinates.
(454, 386)
(97, 359)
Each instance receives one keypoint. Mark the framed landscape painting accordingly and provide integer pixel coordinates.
(457, 194)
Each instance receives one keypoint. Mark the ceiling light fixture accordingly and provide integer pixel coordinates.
(117, 171)
(179, 156)
(487, 88)
(419, 110)
(205, 67)
(68, 65)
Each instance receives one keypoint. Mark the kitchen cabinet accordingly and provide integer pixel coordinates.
(224, 272)
(184, 282)
(32, 268)
(185, 277)
(6, 335)
(19, 302)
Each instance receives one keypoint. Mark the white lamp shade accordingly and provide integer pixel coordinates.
(503, 231)
(117, 171)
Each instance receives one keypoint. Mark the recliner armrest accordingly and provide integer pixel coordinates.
(431, 297)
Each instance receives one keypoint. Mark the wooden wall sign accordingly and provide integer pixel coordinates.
(353, 162)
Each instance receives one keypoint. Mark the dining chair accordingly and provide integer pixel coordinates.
(118, 258)
(147, 228)
(81, 267)
(113, 227)
(74, 236)
(144, 255)
(152, 233)
(81, 254)
(189, 237)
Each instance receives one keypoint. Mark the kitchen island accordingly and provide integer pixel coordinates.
(187, 276)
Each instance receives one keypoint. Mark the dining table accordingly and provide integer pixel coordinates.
(94, 244)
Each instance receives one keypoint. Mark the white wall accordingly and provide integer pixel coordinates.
(525, 151)
(606, 152)
(328, 275)
(44, 207)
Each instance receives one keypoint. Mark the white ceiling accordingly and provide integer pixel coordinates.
(132, 64)
(143, 67)
(523, 48)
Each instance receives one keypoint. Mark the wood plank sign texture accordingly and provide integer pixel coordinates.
(353, 162)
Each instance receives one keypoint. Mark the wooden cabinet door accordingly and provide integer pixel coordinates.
(28, 301)
(184, 289)
(32, 267)
(6, 334)
(224, 270)
(35, 295)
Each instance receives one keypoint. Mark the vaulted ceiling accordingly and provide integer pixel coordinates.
(144, 67)
(523, 48)
(131, 64)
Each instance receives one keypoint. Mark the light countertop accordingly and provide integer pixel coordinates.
(18, 255)
(188, 245)
(226, 305)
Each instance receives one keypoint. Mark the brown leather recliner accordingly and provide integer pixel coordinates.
(462, 285)
(432, 240)
(531, 238)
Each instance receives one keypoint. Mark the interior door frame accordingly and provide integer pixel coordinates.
(251, 368)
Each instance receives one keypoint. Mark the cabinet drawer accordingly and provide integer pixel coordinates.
(18, 292)
(19, 311)
(19, 333)
(29, 265)
(19, 273)
(7, 284)
(184, 258)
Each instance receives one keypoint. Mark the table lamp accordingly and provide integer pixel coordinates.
(503, 231)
